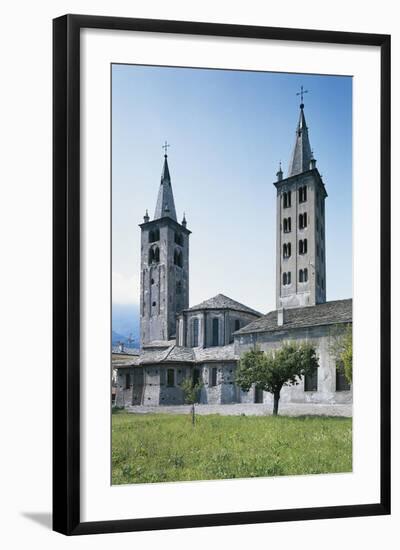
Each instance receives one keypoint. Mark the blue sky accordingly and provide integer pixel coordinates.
(228, 131)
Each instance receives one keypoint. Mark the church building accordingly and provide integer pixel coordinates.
(205, 341)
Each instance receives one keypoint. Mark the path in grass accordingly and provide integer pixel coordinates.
(159, 448)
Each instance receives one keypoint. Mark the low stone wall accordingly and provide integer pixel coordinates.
(250, 409)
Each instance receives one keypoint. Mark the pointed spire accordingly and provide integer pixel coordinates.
(301, 156)
(165, 201)
(146, 217)
(184, 222)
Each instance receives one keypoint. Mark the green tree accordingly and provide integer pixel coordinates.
(341, 348)
(274, 369)
(191, 393)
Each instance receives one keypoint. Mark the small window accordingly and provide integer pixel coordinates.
(287, 225)
(301, 276)
(154, 235)
(287, 278)
(127, 381)
(178, 287)
(237, 324)
(287, 250)
(303, 193)
(213, 381)
(178, 239)
(215, 332)
(303, 220)
(341, 382)
(287, 199)
(305, 276)
(303, 246)
(311, 381)
(154, 304)
(170, 378)
(178, 258)
(196, 376)
(195, 333)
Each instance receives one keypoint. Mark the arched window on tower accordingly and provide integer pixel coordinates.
(195, 332)
(305, 275)
(303, 220)
(154, 255)
(287, 250)
(303, 193)
(154, 235)
(178, 239)
(284, 279)
(287, 225)
(178, 258)
(301, 276)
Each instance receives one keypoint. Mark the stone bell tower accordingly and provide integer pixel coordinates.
(300, 246)
(164, 275)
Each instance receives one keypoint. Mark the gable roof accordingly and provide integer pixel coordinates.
(220, 301)
(328, 313)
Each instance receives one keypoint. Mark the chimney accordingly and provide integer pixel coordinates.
(280, 319)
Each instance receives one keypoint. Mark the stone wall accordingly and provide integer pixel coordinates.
(326, 386)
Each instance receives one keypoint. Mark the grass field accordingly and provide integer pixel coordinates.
(162, 447)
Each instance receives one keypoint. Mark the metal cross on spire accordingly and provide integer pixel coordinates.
(165, 147)
(301, 93)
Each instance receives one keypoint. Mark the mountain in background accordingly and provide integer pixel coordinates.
(125, 320)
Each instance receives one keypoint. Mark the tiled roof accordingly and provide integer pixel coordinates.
(126, 351)
(329, 313)
(220, 301)
(220, 353)
(179, 354)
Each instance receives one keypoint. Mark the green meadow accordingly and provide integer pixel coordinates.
(154, 448)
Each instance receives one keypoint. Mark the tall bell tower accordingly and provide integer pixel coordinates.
(300, 243)
(164, 274)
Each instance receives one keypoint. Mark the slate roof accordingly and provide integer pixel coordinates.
(165, 206)
(127, 351)
(329, 313)
(180, 354)
(301, 155)
(220, 301)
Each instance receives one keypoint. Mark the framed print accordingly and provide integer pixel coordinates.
(206, 320)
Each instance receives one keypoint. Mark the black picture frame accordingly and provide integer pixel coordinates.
(66, 272)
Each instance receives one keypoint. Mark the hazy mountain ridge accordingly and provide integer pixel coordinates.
(125, 321)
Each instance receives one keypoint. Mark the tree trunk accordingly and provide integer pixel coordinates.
(193, 415)
(276, 402)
